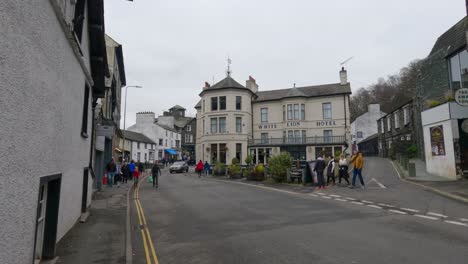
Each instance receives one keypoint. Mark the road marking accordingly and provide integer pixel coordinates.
(314, 195)
(374, 206)
(364, 201)
(146, 236)
(326, 197)
(357, 203)
(427, 217)
(398, 212)
(455, 223)
(436, 214)
(377, 182)
(334, 195)
(464, 219)
(410, 210)
(349, 198)
(320, 193)
(341, 200)
(386, 205)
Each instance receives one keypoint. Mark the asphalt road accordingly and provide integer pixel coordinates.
(194, 220)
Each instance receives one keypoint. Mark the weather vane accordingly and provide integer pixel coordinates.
(229, 66)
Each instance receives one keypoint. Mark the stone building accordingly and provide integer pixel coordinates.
(397, 130)
(52, 67)
(235, 120)
(443, 137)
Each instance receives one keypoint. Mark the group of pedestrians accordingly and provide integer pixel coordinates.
(202, 168)
(338, 168)
(123, 173)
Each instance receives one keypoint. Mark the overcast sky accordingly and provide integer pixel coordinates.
(172, 47)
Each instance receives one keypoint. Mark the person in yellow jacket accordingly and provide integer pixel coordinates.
(358, 164)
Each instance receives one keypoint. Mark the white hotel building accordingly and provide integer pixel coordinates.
(235, 120)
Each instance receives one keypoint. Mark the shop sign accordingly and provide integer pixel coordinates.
(326, 123)
(461, 96)
(437, 140)
(267, 126)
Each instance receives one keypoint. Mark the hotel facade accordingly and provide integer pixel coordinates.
(235, 120)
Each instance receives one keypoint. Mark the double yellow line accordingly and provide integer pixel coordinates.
(145, 234)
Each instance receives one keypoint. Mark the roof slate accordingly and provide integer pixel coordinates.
(227, 82)
(178, 107)
(135, 136)
(307, 91)
(452, 40)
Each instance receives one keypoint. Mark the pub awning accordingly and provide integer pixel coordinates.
(171, 151)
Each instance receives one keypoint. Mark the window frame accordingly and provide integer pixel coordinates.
(222, 103)
(289, 111)
(214, 103)
(326, 110)
(238, 124)
(213, 124)
(302, 111)
(238, 102)
(84, 120)
(222, 125)
(264, 114)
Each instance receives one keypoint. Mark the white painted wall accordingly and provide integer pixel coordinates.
(366, 123)
(445, 115)
(40, 122)
(145, 125)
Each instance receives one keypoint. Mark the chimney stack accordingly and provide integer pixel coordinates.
(251, 84)
(207, 85)
(343, 76)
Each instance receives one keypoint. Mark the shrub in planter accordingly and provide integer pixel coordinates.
(278, 165)
(219, 169)
(257, 174)
(234, 169)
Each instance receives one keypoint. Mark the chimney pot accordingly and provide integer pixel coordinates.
(343, 76)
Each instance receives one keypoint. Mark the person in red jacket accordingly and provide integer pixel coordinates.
(136, 176)
(199, 168)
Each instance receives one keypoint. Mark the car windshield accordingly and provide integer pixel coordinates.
(178, 163)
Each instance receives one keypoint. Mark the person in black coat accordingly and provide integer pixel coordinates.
(319, 168)
(155, 171)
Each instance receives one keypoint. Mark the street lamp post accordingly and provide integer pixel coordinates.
(125, 116)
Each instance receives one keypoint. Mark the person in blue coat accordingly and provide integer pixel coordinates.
(206, 168)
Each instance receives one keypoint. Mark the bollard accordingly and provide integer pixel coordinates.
(411, 169)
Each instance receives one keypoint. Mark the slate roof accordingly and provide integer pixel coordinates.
(307, 91)
(198, 105)
(177, 107)
(167, 127)
(452, 40)
(135, 136)
(182, 121)
(227, 82)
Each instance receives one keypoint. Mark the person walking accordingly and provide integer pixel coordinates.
(319, 168)
(125, 172)
(343, 174)
(199, 168)
(206, 167)
(141, 168)
(136, 176)
(111, 168)
(131, 168)
(331, 170)
(155, 171)
(358, 164)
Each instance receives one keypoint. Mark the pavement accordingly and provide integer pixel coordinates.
(453, 189)
(101, 239)
(210, 220)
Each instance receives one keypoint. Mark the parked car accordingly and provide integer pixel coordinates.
(179, 166)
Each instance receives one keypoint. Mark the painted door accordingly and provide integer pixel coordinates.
(41, 214)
